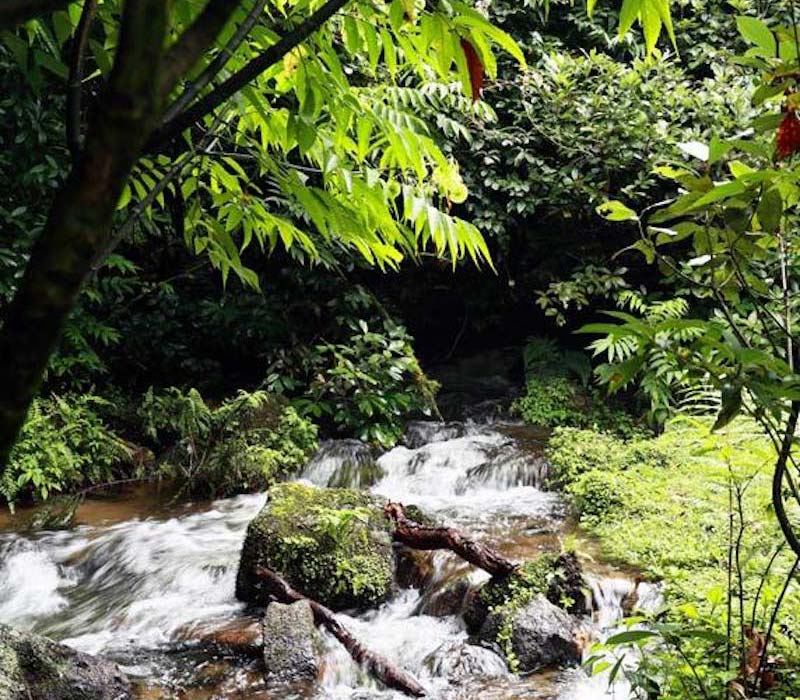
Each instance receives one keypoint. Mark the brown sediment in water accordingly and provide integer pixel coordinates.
(126, 502)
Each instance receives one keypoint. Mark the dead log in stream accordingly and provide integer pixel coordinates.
(417, 536)
(378, 666)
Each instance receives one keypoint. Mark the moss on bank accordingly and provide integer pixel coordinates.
(334, 545)
(665, 505)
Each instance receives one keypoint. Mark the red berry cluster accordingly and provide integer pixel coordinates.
(788, 135)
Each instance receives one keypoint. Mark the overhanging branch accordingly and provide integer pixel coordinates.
(247, 74)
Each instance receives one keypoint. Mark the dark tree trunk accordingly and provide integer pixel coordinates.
(418, 536)
(80, 219)
(381, 668)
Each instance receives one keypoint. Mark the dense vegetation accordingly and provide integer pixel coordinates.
(252, 226)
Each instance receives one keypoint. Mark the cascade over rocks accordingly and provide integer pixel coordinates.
(422, 432)
(33, 667)
(332, 545)
(345, 463)
(291, 642)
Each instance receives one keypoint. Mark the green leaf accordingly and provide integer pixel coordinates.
(614, 210)
(757, 32)
(629, 636)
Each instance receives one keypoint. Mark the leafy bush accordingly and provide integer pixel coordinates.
(554, 401)
(574, 452)
(366, 386)
(244, 444)
(65, 444)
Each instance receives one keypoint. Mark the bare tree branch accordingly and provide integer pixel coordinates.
(386, 672)
(213, 68)
(75, 80)
(194, 42)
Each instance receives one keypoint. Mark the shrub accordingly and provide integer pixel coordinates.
(245, 444)
(65, 444)
(573, 452)
(367, 386)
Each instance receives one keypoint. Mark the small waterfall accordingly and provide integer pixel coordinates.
(343, 464)
(424, 432)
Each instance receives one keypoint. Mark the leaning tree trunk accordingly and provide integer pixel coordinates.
(80, 219)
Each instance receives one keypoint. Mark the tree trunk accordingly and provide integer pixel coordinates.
(80, 218)
(418, 536)
(381, 668)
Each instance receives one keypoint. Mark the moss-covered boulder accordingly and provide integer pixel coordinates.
(504, 611)
(333, 545)
(33, 667)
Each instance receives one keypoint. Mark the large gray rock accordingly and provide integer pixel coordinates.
(291, 643)
(33, 667)
(542, 635)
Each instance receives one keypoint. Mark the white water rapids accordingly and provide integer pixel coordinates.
(136, 590)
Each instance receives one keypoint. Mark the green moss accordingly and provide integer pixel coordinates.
(332, 544)
(663, 506)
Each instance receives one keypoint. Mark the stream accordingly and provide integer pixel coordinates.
(140, 581)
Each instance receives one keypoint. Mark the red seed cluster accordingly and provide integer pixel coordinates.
(475, 67)
(788, 135)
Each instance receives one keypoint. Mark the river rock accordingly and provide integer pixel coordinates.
(422, 432)
(343, 464)
(414, 568)
(542, 635)
(291, 643)
(33, 667)
(445, 599)
(333, 545)
(456, 661)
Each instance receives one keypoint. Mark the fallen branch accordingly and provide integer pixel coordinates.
(381, 668)
(417, 536)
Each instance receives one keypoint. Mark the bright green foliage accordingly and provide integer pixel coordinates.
(244, 444)
(553, 398)
(667, 506)
(367, 385)
(550, 402)
(332, 544)
(65, 444)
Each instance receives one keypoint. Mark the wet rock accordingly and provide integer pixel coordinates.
(343, 464)
(541, 635)
(333, 545)
(420, 433)
(240, 637)
(446, 599)
(457, 661)
(291, 643)
(33, 667)
(568, 588)
(413, 567)
(560, 579)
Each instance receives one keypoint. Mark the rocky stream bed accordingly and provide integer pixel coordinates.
(155, 593)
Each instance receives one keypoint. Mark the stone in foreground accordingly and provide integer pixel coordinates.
(291, 643)
(33, 667)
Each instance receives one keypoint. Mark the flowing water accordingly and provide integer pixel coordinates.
(142, 590)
